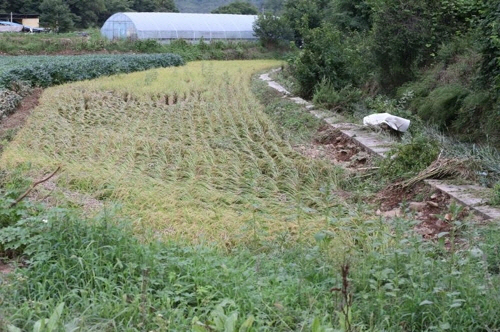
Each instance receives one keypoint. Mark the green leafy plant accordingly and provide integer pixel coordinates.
(340, 100)
(495, 195)
(63, 70)
(410, 158)
(51, 324)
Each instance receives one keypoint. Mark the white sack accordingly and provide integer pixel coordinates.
(395, 122)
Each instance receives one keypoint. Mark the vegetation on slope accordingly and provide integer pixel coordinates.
(442, 57)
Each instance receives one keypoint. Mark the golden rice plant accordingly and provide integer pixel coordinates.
(187, 152)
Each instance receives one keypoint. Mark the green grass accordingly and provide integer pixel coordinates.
(109, 281)
(72, 43)
(293, 123)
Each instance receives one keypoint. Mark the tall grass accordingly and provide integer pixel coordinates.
(109, 281)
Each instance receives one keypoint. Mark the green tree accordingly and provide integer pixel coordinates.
(87, 11)
(274, 6)
(350, 15)
(19, 6)
(154, 6)
(237, 7)
(324, 57)
(304, 15)
(4, 5)
(402, 40)
(144, 5)
(112, 7)
(56, 15)
(166, 6)
(272, 30)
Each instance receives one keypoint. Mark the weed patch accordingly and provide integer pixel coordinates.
(410, 158)
(96, 275)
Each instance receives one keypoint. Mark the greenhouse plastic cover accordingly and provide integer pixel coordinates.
(168, 26)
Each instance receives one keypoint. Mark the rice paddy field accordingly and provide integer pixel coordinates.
(181, 205)
(187, 151)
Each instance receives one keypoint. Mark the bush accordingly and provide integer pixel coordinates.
(342, 100)
(400, 34)
(272, 30)
(442, 105)
(495, 196)
(10, 98)
(409, 159)
(351, 15)
(490, 30)
(325, 55)
(406, 35)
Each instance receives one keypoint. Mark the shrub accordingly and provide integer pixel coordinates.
(272, 30)
(442, 105)
(475, 120)
(490, 30)
(351, 15)
(342, 100)
(409, 159)
(10, 98)
(406, 35)
(400, 34)
(495, 196)
(325, 55)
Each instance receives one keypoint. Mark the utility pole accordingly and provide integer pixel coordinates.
(11, 17)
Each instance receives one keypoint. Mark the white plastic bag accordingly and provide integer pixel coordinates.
(395, 122)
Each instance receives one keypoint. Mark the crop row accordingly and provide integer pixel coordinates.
(85, 67)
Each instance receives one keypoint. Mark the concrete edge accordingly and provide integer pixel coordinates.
(379, 148)
(462, 195)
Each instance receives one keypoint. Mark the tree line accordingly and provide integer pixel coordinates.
(64, 15)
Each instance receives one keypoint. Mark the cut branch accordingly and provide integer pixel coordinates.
(20, 198)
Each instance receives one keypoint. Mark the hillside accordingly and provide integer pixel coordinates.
(206, 6)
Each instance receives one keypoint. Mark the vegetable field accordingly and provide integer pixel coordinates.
(46, 71)
(19, 74)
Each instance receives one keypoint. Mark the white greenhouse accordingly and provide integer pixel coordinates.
(165, 27)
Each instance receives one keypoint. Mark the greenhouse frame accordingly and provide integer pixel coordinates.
(165, 27)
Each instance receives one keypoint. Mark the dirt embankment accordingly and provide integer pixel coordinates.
(11, 124)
